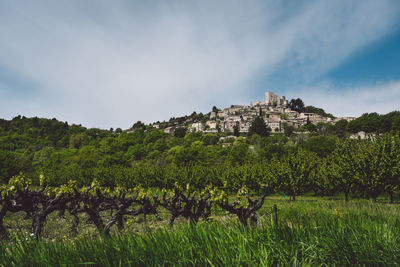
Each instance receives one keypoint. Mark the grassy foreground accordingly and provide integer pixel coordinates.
(309, 233)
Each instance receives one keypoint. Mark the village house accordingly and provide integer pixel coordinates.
(197, 127)
(211, 124)
(361, 135)
(169, 130)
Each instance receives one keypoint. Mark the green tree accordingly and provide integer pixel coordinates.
(78, 140)
(319, 111)
(295, 171)
(378, 165)
(340, 128)
(180, 132)
(345, 166)
(9, 166)
(391, 122)
(138, 125)
(236, 130)
(160, 145)
(288, 129)
(368, 122)
(189, 155)
(239, 151)
(321, 145)
(311, 127)
(297, 105)
(369, 175)
(389, 163)
(136, 152)
(259, 127)
(209, 139)
(153, 135)
(325, 182)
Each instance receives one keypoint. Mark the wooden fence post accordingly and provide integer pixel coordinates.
(275, 214)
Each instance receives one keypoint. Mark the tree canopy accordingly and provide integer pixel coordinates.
(259, 127)
(297, 105)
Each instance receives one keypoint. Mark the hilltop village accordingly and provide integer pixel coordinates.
(275, 110)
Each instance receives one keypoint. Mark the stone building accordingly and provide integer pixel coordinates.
(197, 127)
(272, 99)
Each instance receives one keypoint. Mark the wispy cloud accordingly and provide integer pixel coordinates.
(109, 64)
(352, 100)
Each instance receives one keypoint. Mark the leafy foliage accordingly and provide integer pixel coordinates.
(259, 127)
(324, 164)
(297, 105)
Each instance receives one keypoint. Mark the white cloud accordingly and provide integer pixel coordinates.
(352, 101)
(108, 64)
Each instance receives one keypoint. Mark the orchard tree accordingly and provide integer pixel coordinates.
(369, 168)
(295, 171)
(390, 163)
(345, 165)
(321, 145)
(379, 165)
(324, 180)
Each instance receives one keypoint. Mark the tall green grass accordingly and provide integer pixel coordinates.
(359, 235)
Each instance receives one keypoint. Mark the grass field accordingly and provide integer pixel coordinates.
(311, 231)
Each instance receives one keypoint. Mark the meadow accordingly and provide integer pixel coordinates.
(310, 231)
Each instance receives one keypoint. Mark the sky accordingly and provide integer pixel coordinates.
(111, 63)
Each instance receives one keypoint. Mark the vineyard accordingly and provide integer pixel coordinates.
(308, 231)
(95, 201)
(362, 168)
(365, 168)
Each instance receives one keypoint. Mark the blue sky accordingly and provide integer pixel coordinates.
(108, 64)
(377, 62)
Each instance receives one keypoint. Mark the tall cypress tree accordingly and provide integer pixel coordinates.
(259, 127)
(236, 130)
